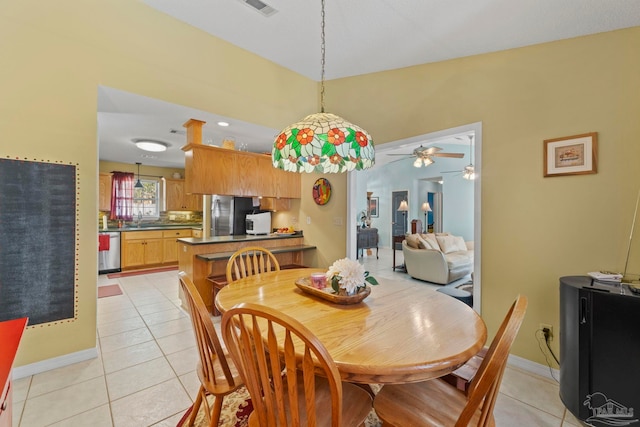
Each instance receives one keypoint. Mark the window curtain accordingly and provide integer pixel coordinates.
(122, 196)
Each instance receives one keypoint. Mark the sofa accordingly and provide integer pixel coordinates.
(438, 258)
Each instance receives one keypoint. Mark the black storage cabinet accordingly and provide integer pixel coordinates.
(599, 344)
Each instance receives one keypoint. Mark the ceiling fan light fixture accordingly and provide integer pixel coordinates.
(428, 161)
(469, 173)
(323, 142)
(150, 145)
(417, 163)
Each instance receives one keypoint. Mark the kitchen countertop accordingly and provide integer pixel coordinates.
(240, 238)
(196, 226)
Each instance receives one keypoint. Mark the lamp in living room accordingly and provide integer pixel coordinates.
(323, 142)
(404, 208)
(425, 208)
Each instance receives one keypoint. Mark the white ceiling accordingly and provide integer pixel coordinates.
(362, 36)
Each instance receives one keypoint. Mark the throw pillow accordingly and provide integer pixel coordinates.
(431, 238)
(423, 244)
(459, 241)
(449, 244)
(412, 241)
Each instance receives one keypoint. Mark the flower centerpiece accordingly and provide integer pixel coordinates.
(347, 277)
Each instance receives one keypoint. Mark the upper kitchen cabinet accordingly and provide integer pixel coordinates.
(104, 192)
(178, 199)
(213, 170)
(278, 183)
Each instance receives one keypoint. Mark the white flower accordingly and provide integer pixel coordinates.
(351, 274)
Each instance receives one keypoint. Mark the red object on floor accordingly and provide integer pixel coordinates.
(139, 272)
(103, 242)
(10, 334)
(109, 291)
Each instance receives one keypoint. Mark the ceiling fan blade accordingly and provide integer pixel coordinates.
(393, 154)
(396, 160)
(453, 155)
(426, 151)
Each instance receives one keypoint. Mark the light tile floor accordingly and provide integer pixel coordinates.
(145, 372)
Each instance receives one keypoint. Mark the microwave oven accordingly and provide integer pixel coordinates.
(259, 223)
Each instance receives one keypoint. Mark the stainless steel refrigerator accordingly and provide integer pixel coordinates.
(228, 215)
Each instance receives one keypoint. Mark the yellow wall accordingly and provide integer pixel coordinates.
(56, 54)
(534, 229)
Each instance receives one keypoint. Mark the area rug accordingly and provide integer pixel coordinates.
(235, 411)
(237, 407)
(109, 291)
(468, 286)
(139, 272)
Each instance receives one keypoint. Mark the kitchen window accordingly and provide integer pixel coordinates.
(146, 200)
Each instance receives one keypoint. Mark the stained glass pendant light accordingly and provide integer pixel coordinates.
(323, 142)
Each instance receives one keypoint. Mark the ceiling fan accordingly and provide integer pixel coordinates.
(469, 171)
(424, 155)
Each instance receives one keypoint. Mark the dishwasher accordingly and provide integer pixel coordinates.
(108, 252)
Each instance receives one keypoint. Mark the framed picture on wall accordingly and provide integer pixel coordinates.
(373, 207)
(571, 155)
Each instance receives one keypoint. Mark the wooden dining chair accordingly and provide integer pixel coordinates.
(279, 358)
(249, 261)
(217, 373)
(438, 403)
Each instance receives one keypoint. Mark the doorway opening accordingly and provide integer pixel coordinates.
(357, 183)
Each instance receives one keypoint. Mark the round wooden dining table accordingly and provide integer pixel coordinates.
(402, 332)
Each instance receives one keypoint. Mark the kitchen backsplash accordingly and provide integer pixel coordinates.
(166, 218)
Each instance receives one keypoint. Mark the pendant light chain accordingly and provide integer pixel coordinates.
(322, 61)
(323, 142)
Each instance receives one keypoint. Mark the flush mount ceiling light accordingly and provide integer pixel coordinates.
(223, 124)
(323, 142)
(150, 145)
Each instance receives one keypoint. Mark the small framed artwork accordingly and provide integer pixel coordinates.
(373, 207)
(571, 155)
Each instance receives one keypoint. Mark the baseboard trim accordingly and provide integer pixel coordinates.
(53, 363)
(80, 356)
(533, 367)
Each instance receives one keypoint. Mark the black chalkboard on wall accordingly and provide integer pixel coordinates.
(37, 240)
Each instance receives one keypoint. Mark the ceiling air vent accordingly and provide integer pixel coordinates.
(178, 131)
(260, 6)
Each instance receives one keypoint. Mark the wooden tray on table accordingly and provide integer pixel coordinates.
(304, 284)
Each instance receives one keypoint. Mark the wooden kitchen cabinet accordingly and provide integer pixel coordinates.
(142, 248)
(277, 183)
(178, 199)
(170, 245)
(213, 170)
(273, 204)
(104, 192)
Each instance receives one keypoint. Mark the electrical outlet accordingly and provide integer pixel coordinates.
(544, 326)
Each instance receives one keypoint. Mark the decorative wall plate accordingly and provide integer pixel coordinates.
(321, 191)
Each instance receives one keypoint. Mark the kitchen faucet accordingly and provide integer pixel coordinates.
(139, 218)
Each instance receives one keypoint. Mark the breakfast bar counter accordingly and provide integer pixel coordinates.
(203, 258)
(253, 239)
